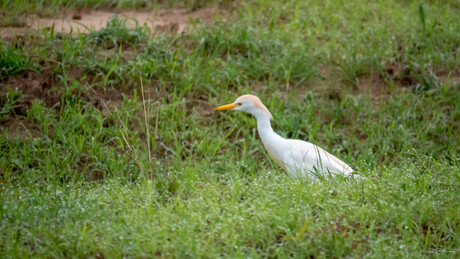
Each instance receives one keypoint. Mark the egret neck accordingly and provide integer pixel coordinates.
(270, 139)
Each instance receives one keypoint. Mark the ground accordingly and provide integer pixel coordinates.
(110, 145)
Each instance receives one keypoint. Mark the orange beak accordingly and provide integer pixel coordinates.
(226, 107)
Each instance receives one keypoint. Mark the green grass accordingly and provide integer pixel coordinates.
(11, 61)
(375, 83)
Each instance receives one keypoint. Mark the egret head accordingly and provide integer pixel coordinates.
(247, 103)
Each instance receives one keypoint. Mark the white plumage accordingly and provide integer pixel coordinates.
(297, 157)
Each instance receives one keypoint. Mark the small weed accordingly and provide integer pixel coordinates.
(115, 34)
(8, 103)
(11, 61)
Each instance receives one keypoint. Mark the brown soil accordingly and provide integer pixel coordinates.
(17, 127)
(159, 21)
(33, 86)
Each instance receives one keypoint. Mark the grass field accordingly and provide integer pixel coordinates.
(95, 164)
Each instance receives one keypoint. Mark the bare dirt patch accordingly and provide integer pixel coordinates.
(18, 128)
(33, 86)
(159, 21)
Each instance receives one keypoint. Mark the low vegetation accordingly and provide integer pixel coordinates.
(110, 145)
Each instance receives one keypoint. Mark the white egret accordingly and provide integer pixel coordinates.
(297, 157)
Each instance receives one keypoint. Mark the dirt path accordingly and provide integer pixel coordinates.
(164, 21)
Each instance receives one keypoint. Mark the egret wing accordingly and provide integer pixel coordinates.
(305, 158)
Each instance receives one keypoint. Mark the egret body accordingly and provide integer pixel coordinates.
(297, 157)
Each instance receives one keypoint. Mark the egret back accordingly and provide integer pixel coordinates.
(309, 160)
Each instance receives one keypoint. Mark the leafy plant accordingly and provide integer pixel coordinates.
(116, 33)
(8, 103)
(11, 61)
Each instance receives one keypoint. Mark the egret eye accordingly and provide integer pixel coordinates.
(238, 104)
